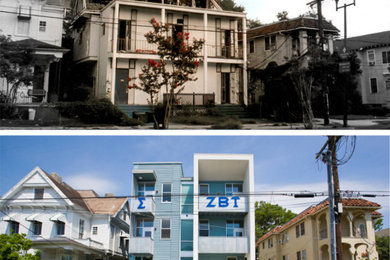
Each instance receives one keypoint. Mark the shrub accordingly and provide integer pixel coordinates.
(229, 124)
(97, 111)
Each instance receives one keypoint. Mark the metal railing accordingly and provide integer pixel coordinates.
(194, 99)
(225, 51)
(136, 46)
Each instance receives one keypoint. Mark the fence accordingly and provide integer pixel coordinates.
(194, 99)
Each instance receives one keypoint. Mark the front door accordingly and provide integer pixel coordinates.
(225, 88)
(121, 83)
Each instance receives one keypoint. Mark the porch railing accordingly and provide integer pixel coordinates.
(225, 51)
(136, 46)
(194, 99)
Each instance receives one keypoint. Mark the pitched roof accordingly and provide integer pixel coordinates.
(290, 25)
(349, 203)
(105, 205)
(35, 44)
(368, 41)
(87, 193)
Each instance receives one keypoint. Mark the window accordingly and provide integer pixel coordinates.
(37, 227)
(233, 188)
(14, 227)
(297, 231)
(302, 228)
(81, 228)
(373, 85)
(145, 189)
(81, 38)
(23, 26)
(103, 29)
(270, 243)
(234, 228)
(303, 254)
(362, 229)
(144, 228)
(263, 245)
(166, 192)
(204, 228)
(38, 194)
(386, 57)
(371, 57)
(42, 26)
(94, 230)
(252, 46)
(387, 82)
(165, 228)
(286, 257)
(270, 42)
(299, 255)
(203, 189)
(60, 228)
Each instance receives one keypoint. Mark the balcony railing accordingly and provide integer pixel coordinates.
(224, 51)
(228, 203)
(136, 46)
(90, 243)
(194, 99)
(141, 245)
(229, 245)
(142, 205)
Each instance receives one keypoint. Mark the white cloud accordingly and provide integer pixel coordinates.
(92, 181)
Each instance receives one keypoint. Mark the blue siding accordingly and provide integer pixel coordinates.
(218, 187)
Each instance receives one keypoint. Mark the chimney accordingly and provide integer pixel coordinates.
(56, 176)
(108, 195)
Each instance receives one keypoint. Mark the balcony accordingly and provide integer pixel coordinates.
(228, 203)
(141, 245)
(136, 46)
(223, 245)
(142, 205)
(226, 52)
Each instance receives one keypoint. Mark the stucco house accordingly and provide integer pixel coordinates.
(110, 44)
(64, 223)
(36, 25)
(373, 50)
(307, 235)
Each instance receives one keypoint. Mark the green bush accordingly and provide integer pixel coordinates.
(97, 111)
(229, 124)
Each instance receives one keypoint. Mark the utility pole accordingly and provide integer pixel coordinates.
(335, 202)
(345, 117)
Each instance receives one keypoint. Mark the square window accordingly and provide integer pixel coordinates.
(94, 230)
(42, 26)
(165, 228)
(373, 85)
(38, 194)
(203, 189)
(166, 192)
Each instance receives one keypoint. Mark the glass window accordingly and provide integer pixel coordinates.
(371, 57)
(297, 231)
(165, 228)
(234, 228)
(14, 227)
(94, 230)
(60, 228)
(144, 228)
(299, 255)
(42, 26)
(233, 188)
(386, 57)
(373, 85)
(81, 228)
(302, 228)
(362, 230)
(38, 194)
(270, 42)
(303, 254)
(251, 46)
(203, 189)
(145, 189)
(37, 227)
(387, 84)
(166, 193)
(204, 228)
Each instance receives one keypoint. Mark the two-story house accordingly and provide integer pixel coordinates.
(64, 223)
(205, 217)
(307, 235)
(373, 50)
(36, 25)
(110, 43)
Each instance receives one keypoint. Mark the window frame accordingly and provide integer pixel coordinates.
(251, 46)
(161, 229)
(60, 226)
(232, 186)
(37, 228)
(42, 26)
(81, 228)
(14, 227)
(208, 189)
(208, 227)
(39, 193)
(371, 62)
(386, 55)
(297, 231)
(376, 86)
(299, 255)
(143, 228)
(163, 192)
(235, 229)
(387, 84)
(95, 230)
(302, 225)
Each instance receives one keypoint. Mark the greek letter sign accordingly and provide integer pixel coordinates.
(223, 203)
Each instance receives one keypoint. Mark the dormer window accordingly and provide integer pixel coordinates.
(38, 194)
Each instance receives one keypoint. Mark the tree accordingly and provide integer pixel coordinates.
(378, 224)
(15, 246)
(383, 247)
(230, 5)
(268, 216)
(282, 16)
(16, 65)
(178, 62)
(253, 23)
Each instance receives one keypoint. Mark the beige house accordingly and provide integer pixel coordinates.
(307, 235)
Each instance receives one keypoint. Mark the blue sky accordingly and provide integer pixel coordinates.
(374, 13)
(282, 163)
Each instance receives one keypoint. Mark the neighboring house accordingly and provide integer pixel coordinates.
(373, 50)
(110, 46)
(307, 235)
(64, 223)
(36, 25)
(200, 218)
(383, 233)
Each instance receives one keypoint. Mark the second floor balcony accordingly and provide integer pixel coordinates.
(223, 203)
(142, 205)
(219, 245)
(141, 245)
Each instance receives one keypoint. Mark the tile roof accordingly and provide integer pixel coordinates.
(367, 41)
(350, 203)
(289, 25)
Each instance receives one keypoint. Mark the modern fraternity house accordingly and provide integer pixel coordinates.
(110, 45)
(208, 216)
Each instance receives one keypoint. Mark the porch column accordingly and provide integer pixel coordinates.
(46, 82)
(350, 222)
(370, 233)
(162, 15)
(205, 58)
(114, 50)
(245, 66)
